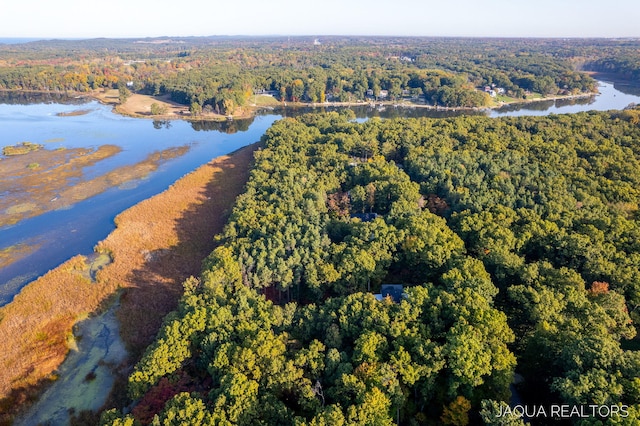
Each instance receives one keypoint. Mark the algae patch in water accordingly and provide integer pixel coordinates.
(11, 254)
(86, 376)
(20, 208)
(98, 262)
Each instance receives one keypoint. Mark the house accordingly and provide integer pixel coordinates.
(365, 217)
(383, 94)
(394, 291)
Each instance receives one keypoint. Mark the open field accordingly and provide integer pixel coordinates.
(157, 244)
(139, 106)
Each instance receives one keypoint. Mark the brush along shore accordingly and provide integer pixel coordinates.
(157, 244)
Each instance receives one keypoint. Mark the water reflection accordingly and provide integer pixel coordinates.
(161, 124)
(66, 233)
(384, 111)
(543, 105)
(229, 127)
(28, 98)
(608, 98)
(627, 88)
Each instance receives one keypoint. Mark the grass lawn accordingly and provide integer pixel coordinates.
(263, 100)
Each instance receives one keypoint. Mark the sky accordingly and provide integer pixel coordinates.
(478, 18)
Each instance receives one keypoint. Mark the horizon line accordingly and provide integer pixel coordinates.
(87, 38)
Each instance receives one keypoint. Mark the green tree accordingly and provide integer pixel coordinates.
(123, 93)
(492, 414)
(157, 109)
(195, 109)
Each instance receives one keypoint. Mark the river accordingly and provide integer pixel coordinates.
(53, 223)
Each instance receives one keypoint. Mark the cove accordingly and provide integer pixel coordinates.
(43, 241)
(51, 224)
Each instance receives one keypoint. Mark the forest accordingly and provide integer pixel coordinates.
(516, 243)
(222, 73)
(516, 240)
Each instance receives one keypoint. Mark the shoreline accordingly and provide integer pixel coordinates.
(157, 244)
(612, 78)
(137, 105)
(250, 111)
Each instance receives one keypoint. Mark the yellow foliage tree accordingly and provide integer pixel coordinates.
(457, 413)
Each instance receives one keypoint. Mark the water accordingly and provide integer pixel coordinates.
(60, 234)
(610, 98)
(17, 40)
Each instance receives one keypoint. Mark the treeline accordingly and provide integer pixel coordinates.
(516, 241)
(222, 74)
(626, 66)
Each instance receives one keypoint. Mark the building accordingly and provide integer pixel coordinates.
(365, 217)
(394, 291)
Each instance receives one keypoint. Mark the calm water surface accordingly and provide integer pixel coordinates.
(63, 233)
(60, 234)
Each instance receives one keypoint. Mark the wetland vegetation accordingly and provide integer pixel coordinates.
(515, 238)
(156, 245)
(32, 190)
(20, 149)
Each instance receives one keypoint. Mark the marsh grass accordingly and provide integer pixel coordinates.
(21, 148)
(176, 226)
(48, 180)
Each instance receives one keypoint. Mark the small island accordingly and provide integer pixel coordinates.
(21, 149)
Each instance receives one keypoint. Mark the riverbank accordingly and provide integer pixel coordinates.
(139, 106)
(621, 82)
(157, 244)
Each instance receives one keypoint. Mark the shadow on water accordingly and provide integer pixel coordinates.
(546, 105)
(28, 98)
(229, 127)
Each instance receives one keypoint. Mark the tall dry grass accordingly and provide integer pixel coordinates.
(35, 328)
(157, 244)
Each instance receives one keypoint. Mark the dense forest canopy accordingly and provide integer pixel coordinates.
(516, 241)
(224, 72)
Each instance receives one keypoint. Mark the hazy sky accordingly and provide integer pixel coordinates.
(142, 18)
